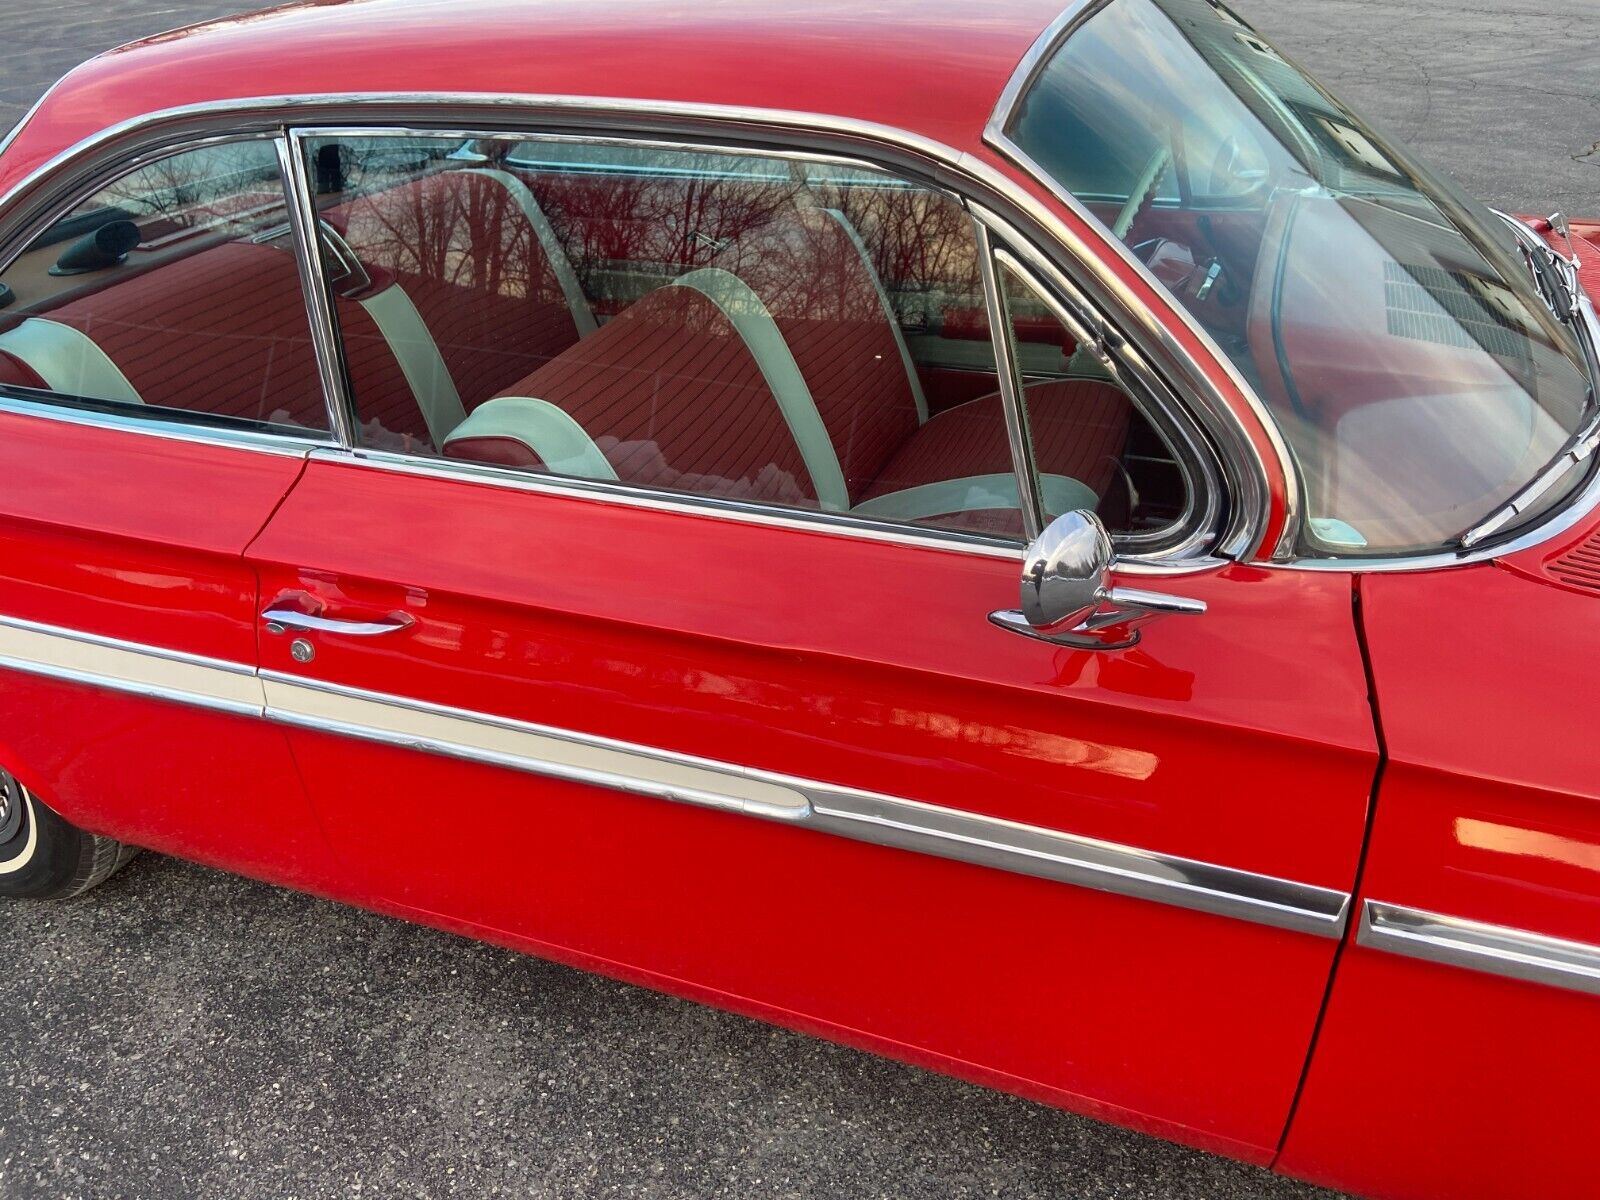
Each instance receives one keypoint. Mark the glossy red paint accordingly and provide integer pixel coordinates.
(1244, 738)
(864, 61)
(1433, 1080)
(698, 635)
(140, 539)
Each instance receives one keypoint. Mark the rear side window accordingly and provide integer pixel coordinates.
(173, 291)
(753, 327)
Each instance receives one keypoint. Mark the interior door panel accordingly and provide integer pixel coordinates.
(859, 664)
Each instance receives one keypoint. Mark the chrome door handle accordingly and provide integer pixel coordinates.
(280, 619)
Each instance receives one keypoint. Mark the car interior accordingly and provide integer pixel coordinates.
(739, 326)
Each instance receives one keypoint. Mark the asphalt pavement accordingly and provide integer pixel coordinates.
(183, 1033)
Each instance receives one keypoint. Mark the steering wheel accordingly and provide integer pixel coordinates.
(1144, 191)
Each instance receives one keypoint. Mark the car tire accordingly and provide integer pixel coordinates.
(43, 856)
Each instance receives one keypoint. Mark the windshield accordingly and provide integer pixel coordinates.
(1385, 319)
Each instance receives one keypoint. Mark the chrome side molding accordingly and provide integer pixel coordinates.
(548, 752)
(844, 812)
(1494, 949)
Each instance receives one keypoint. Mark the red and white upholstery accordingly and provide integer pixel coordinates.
(668, 394)
(220, 331)
(815, 275)
(484, 292)
(780, 374)
(1079, 427)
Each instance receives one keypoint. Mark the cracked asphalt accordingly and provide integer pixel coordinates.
(183, 1033)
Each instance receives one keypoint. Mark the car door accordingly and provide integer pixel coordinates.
(589, 679)
(157, 397)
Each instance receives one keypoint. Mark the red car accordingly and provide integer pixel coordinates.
(984, 533)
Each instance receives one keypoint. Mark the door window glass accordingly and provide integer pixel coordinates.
(739, 326)
(174, 290)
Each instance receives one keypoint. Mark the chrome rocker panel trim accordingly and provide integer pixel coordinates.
(548, 752)
(1476, 946)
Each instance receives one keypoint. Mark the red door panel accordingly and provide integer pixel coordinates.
(1433, 1079)
(138, 538)
(864, 664)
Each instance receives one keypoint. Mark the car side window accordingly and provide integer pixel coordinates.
(173, 291)
(774, 330)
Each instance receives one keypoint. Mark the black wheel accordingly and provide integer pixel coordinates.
(45, 857)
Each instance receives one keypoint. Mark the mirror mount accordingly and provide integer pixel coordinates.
(1068, 598)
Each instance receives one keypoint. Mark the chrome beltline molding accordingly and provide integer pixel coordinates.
(1494, 949)
(548, 752)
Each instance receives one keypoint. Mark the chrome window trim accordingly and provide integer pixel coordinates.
(189, 127)
(983, 220)
(911, 825)
(170, 428)
(326, 344)
(1201, 514)
(774, 131)
(1010, 380)
(1478, 946)
(683, 503)
(1284, 555)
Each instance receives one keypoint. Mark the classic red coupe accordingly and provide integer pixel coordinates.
(1032, 542)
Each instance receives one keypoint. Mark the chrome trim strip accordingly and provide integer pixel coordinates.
(534, 749)
(325, 339)
(153, 671)
(995, 135)
(555, 753)
(1476, 946)
(291, 445)
(572, 488)
(1010, 379)
(885, 147)
(1084, 862)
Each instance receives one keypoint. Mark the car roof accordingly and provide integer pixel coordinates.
(933, 67)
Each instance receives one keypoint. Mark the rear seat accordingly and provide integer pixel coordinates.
(484, 286)
(668, 394)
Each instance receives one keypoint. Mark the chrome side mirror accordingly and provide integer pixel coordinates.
(1067, 595)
